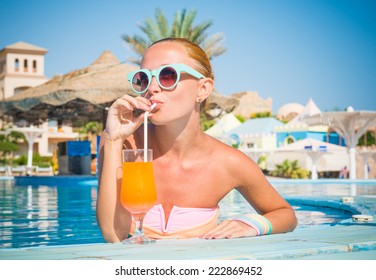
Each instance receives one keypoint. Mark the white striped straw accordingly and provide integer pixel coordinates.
(146, 132)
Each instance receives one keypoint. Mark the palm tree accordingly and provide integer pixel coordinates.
(90, 131)
(92, 128)
(182, 27)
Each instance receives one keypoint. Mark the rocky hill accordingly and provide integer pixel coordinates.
(243, 103)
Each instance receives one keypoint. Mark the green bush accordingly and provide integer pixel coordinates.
(261, 162)
(240, 118)
(290, 169)
(261, 115)
(22, 160)
(300, 173)
(7, 147)
(6, 151)
(37, 160)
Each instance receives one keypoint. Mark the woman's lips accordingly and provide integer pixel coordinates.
(158, 104)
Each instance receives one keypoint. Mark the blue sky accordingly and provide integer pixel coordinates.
(288, 50)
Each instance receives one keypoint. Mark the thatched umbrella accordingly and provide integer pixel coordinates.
(350, 125)
(321, 154)
(77, 97)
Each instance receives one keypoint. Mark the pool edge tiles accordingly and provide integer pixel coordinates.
(321, 181)
(314, 243)
(54, 180)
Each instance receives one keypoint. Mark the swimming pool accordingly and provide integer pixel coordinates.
(39, 214)
(45, 211)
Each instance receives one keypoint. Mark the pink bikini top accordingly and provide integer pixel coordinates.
(183, 222)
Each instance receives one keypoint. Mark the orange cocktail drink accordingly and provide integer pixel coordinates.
(138, 194)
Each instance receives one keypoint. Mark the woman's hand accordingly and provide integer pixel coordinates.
(121, 122)
(230, 229)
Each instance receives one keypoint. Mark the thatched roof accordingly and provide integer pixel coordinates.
(81, 92)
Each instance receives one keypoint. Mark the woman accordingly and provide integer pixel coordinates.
(192, 170)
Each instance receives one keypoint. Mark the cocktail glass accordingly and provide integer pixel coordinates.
(138, 194)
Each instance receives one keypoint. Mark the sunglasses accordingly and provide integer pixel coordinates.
(167, 77)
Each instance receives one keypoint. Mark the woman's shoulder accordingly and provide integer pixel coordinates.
(232, 165)
(226, 153)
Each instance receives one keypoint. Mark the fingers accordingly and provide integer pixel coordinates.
(230, 229)
(125, 105)
(144, 102)
(131, 103)
(122, 104)
(121, 120)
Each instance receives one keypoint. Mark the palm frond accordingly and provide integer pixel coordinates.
(182, 27)
(162, 22)
(201, 39)
(137, 43)
(135, 60)
(212, 45)
(186, 23)
(200, 30)
(176, 26)
(151, 30)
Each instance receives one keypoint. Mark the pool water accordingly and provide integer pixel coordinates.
(47, 215)
(234, 204)
(62, 212)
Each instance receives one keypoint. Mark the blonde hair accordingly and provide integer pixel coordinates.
(195, 52)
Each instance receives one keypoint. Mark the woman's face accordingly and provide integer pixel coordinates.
(179, 102)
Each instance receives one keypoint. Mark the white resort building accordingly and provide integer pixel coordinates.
(22, 67)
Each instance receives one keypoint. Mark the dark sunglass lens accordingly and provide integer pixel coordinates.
(140, 81)
(168, 77)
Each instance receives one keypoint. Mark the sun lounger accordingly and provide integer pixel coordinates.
(18, 170)
(5, 171)
(44, 170)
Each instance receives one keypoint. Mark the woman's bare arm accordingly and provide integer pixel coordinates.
(253, 185)
(113, 220)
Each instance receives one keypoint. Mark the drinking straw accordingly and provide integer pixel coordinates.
(146, 132)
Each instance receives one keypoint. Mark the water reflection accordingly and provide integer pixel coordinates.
(47, 215)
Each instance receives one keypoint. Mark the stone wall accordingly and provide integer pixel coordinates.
(243, 103)
(250, 102)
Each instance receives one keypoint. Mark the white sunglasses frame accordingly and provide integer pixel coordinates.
(178, 67)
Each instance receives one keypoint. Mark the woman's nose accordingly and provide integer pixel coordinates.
(154, 86)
